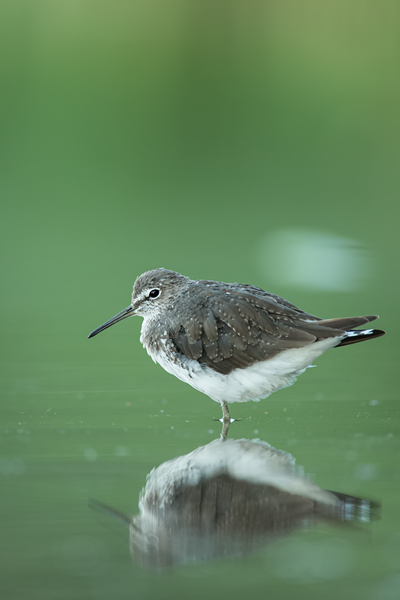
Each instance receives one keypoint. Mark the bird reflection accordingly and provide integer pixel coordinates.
(226, 499)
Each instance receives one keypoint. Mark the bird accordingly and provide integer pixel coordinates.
(233, 342)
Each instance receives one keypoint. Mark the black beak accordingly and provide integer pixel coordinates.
(127, 312)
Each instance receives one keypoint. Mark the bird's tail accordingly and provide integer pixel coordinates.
(351, 335)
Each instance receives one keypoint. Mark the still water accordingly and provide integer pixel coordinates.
(226, 499)
(130, 491)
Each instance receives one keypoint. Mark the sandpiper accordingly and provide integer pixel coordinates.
(234, 342)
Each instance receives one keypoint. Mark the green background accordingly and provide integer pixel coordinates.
(198, 136)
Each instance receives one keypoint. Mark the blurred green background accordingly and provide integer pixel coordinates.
(239, 141)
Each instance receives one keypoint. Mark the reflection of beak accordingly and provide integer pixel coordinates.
(127, 312)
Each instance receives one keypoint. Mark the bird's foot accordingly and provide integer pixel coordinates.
(225, 412)
(226, 420)
(225, 429)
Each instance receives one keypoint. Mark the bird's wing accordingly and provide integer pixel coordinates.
(228, 331)
(261, 294)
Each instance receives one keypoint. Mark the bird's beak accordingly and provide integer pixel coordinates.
(127, 312)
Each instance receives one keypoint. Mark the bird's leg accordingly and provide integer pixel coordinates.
(225, 429)
(226, 420)
(225, 412)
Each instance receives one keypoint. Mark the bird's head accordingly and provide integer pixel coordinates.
(153, 293)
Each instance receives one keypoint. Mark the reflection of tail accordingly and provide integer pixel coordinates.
(358, 509)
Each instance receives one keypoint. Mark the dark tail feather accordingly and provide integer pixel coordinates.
(353, 337)
(347, 323)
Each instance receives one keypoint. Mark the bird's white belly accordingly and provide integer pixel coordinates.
(253, 383)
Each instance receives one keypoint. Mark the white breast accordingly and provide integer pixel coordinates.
(253, 383)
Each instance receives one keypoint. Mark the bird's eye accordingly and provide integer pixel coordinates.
(154, 293)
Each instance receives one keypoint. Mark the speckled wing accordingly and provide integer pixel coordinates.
(235, 327)
(228, 330)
